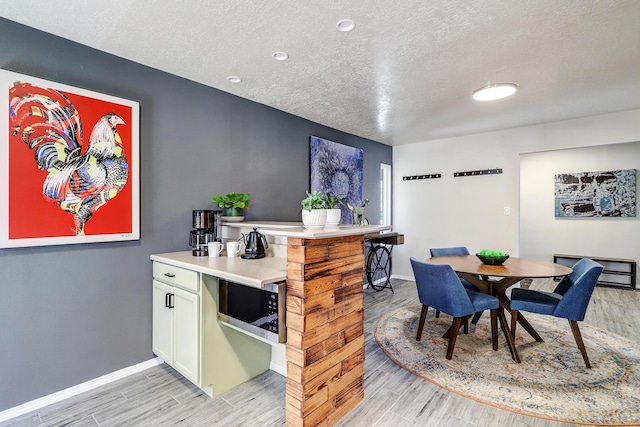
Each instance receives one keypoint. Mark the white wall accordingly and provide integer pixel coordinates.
(542, 234)
(468, 211)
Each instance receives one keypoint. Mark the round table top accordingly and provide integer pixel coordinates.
(512, 267)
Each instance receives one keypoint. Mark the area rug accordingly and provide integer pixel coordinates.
(551, 382)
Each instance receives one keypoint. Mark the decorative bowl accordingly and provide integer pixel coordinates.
(493, 261)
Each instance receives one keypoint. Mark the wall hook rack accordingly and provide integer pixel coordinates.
(478, 172)
(426, 176)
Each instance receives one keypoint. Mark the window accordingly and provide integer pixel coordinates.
(385, 194)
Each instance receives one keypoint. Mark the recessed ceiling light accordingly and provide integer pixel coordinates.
(345, 25)
(279, 56)
(493, 91)
(234, 79)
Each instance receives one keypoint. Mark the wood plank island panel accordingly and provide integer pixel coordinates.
(325, 329)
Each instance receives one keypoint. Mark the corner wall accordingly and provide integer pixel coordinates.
(70, 314)
(542, 234)
(468, 211)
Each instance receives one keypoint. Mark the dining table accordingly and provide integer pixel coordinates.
(496, 279)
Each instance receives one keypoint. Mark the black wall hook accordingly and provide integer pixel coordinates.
(478, 172)
(427, 176)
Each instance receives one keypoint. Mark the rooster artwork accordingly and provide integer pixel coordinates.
(82, 175)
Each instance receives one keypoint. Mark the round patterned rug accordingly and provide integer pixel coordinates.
(551, 382)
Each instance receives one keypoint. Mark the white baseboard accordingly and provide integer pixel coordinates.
(282, 370)
(401, 277)
(77, 389)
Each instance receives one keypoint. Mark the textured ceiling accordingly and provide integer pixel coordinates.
(405, 74)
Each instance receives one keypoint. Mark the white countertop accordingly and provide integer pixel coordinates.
(253, 272)
(258, 272)
(295, 229)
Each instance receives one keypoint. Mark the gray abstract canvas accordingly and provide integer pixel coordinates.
(596, 194)
(337, 169)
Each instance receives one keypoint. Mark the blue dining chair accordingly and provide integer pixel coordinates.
(440, 287)
(569, 300)
(456, 250)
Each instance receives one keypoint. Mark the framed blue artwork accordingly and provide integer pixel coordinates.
(596, 194)
(337, 169)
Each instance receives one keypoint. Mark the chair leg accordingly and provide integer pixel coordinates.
(476, 317)
(578, 336)
(423, 316)
(457, 321)
(494, 329)
(437, 313)
(465, 324)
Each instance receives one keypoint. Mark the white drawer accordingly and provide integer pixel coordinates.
(177, 276)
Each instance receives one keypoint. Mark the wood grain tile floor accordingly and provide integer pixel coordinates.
(393, 397)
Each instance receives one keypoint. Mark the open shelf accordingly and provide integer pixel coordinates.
(618, 272)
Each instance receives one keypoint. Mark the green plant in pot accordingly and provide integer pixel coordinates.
(233, 204)
(492, 257)
(314, 212)
(334, 213)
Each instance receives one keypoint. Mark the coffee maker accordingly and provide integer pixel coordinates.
(206, 229)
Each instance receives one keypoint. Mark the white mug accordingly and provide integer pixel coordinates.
(233, 249)
(215, 248)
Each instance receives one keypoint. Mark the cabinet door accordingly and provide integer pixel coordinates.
(163, 321)
(186, 326)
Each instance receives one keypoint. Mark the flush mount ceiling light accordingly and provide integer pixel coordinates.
(279, 56)
(493, 91)
(234, 79)
(345, 25)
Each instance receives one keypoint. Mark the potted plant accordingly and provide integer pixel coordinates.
(492, 257)
(314, 213)
(233, 204)
(334, 213)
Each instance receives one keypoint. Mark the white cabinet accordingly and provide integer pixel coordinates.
(188, 335)
(162, 321)
(176, 319)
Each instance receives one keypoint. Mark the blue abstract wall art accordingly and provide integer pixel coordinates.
(337, 169)
(596, 194)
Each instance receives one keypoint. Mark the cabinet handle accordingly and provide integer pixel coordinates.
(169, 274)
(168, 300)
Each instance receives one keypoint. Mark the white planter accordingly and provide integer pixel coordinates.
(333, 217)
(314, 219)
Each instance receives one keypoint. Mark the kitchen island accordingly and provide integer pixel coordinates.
(324, 317)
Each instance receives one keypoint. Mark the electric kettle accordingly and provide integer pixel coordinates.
(255, 245)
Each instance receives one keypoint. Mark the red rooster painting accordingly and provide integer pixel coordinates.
(82, 175)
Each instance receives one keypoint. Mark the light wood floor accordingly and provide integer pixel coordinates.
(393, 397)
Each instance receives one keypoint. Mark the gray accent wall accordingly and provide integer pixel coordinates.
(69, 314)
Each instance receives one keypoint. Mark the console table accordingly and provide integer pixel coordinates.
(378, 259)
(614, 268)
